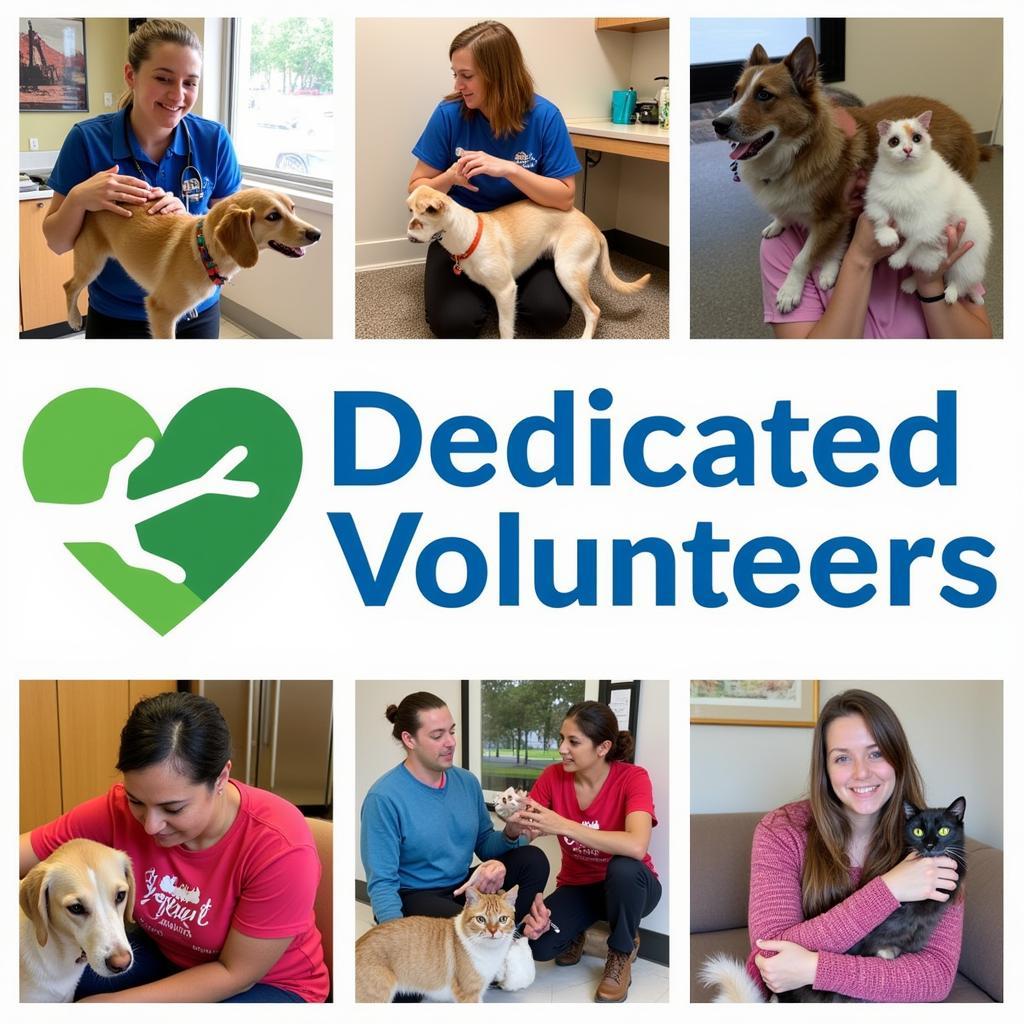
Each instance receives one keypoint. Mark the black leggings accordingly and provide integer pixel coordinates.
(525, 866)
(99, 325)
(629, 892)
(457, 307)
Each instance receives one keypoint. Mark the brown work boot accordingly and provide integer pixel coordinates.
(615, 984)
(636, 947)
(573, 953)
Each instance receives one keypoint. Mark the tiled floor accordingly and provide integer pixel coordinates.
(566, 984)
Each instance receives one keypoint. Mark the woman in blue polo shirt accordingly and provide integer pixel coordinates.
(491, 142)
(151, 148)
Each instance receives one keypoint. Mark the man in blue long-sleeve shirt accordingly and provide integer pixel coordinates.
(422, 822)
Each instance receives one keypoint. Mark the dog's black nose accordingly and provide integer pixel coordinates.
(722, 124)
(313, 235)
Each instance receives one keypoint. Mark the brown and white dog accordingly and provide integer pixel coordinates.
(179, 259)
(495, 248)
(797, 153)
(74, 906)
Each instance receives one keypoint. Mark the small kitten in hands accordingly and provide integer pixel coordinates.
(445, 958)
(508, 801)
(916, 189)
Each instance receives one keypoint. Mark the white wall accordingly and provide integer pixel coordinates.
(403, 71)
(957, 60)
(955, 729)
(377, 753)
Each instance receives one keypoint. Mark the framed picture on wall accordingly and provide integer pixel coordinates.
(790, 702)
(623, 697)
(51, 53)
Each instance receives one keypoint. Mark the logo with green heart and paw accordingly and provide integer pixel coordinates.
(162, 520)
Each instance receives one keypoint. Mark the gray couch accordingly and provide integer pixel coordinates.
(720, 880)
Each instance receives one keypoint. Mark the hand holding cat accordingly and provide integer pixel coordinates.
(488, 877)
(922, 878)
(956, 247)
(791, 967)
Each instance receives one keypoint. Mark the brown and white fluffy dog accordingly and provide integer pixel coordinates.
(792, 150)
(74, 906)
(495, 248)
(162, 253)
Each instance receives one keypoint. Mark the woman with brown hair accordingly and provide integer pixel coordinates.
(490, 142)
(827, 870)
(601, 807)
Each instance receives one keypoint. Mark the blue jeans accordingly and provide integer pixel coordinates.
(151, 965)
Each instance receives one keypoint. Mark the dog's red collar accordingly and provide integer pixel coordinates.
(457, 269)
(212, 270)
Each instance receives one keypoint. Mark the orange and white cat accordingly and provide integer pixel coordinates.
(444, 959)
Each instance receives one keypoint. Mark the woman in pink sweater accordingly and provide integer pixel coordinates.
(825, 871)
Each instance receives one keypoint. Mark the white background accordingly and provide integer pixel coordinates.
(292, 610)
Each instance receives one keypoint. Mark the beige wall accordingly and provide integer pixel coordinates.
(106, 44)
(402, 72)
(955, 730)
(958, 60)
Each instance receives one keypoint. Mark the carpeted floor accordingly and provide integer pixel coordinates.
(725, 232)
(389, 304)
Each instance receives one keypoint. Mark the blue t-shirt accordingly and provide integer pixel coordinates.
(98, 143)
(415, 836)
(543, 146)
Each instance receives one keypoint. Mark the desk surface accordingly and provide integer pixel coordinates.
(605, 129)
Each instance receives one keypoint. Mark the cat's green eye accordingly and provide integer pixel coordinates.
(944, 831)
(481, 919)
(503, 919)
(918, 832)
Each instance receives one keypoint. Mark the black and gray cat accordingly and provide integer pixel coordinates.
(929, 832)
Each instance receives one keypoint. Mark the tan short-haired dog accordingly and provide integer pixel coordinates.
(495, 248)
(74, 906)
(179, 259)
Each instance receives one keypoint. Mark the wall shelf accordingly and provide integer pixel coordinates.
(630, 24)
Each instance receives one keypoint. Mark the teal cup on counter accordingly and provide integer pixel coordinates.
(623, 105)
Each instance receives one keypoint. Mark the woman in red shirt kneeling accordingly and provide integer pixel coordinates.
(602, 810)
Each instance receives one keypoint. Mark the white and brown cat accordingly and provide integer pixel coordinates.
(445, 959)
(914, 188)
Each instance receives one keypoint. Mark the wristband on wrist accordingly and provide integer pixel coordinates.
(931, 298)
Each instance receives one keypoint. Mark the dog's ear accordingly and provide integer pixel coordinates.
(234, 235)
(925, 119)
(758, 55)
(883, 128)
(129, 876)
(431, 202)
(32, 896)
(803, 64)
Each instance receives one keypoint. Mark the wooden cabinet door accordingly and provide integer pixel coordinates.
(43, 272)
(39, 753)
(91, 713)
(141, 688)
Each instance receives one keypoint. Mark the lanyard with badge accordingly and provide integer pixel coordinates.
(191, 182)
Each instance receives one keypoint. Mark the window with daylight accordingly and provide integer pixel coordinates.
(282, 99)
(518, 731)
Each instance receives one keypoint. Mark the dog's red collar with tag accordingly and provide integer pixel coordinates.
(212, 270)
(457, 269)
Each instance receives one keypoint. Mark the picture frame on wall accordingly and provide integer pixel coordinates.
(623, 697)
(52, 69)
(773, 702)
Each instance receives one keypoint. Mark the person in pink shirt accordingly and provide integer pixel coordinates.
(601, 807)
(825, 871)
(866, 300)
(226, 874)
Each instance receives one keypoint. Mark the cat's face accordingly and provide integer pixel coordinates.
(906, 142)
(489, 917)
(933, 831)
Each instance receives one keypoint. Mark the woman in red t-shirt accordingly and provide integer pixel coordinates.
(225, 873)
(602, 810)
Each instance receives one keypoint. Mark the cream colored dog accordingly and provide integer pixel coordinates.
(163, 253)
(512, 238)
(74, 906)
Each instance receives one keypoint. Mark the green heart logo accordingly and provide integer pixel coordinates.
(163, 520)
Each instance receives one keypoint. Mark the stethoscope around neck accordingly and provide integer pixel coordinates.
(191, 182)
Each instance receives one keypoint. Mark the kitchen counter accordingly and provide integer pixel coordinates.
(646, 141)
(39, 193)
